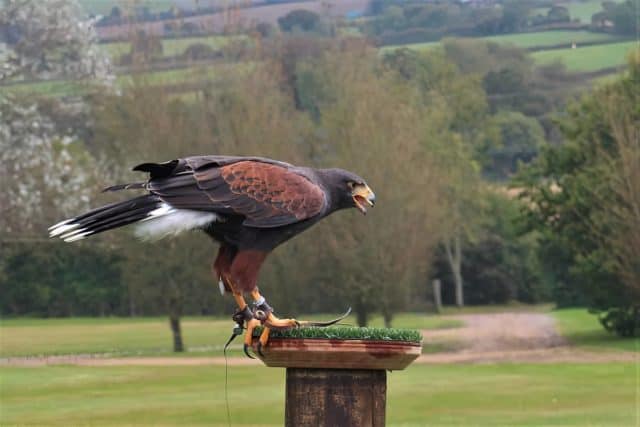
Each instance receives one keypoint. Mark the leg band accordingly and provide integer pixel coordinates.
(243, 315)
(264, 306)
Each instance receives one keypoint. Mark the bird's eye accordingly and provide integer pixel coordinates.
(351, 184)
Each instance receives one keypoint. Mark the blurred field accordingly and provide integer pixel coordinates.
(144, 336)
(444, 395)
(588, 58)
(550, 38)
(528, 40)
(66, 87)
(103, 7)
(172, 47)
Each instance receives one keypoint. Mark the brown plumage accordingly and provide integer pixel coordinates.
(249, 205)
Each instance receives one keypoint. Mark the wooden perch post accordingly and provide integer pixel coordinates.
(337, 382)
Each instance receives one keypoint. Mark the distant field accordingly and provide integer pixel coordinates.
(442, 395)
(588, 58)
(528, 40)
(67, 87)
(172, 47)
(148, 336)
(103, 7)
(550, 38)
(583, 329)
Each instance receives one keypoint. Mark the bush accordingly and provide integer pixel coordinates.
(624, 321)
(49, 279)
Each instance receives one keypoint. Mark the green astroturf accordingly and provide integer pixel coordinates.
(348, 333)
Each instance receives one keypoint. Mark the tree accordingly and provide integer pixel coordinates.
(41, 138)
(623, 17)
(302, 19)
(583, 202)
(558, 14)
(41, 44)
(373, 123)
(520, 139)
(500, 264)
(145, 47)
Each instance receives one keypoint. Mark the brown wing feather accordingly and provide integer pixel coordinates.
(272, 193)
(268, 195)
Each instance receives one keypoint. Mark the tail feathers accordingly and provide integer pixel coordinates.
(105, 218)
(129, 186)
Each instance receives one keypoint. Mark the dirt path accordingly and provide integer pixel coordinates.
(512, 337)
(485, 338)
(500, 331)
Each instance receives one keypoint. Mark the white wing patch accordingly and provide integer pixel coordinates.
(168, 221)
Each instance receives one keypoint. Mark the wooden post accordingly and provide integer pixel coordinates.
(437, 295)
(335, 397)
(337, 382)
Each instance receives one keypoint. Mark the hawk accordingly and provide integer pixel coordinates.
(249, 205)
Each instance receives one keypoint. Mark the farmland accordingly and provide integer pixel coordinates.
(172, 47)
(534, 40)
(103, 7)
(588, 58)
(583, 59)
(64, 87)
(609, 52)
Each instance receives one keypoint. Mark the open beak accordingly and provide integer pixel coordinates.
(363, 197)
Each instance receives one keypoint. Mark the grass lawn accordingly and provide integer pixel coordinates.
(588, 58)
(148, 336)
(583, 329)
(528, 40)
(443, 395)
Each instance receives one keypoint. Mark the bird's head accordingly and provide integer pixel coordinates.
(348, 189)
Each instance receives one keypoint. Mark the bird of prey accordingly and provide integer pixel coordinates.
(249, 205)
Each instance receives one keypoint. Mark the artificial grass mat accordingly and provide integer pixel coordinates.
(346, 333)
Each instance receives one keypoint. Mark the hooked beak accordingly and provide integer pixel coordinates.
(363, 196)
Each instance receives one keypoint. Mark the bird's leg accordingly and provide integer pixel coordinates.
(265, 311)
(244, 317)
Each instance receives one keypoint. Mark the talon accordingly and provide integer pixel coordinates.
(330, 322)
(248, 335)
(264, 339)
(245, 348)
(259, 349)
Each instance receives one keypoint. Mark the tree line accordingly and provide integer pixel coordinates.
(437, 134)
